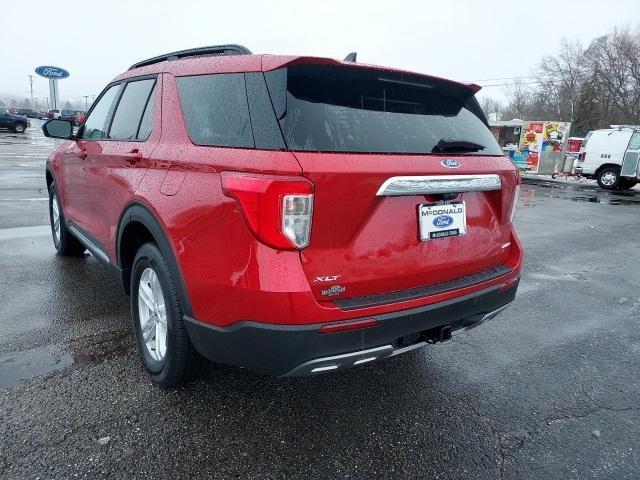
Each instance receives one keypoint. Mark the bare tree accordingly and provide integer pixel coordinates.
(518, 100)
(614, 64)
(491, 107)
(561, 76)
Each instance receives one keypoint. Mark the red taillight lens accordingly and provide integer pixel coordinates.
(514, 205)
(278, 210)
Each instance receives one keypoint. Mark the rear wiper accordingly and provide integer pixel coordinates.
(446, 145)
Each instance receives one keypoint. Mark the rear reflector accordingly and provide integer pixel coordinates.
(346, 326)
(509, 284)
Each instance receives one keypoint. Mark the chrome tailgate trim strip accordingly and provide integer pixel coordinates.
(435, 184)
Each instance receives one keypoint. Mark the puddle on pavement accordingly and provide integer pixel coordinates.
(588, 194)
(16, 367)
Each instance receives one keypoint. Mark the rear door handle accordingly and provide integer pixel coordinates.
(134, 156)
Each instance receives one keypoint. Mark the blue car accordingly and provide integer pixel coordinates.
(17, 123)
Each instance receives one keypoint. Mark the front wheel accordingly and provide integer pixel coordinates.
(19, 127)
(609, 178)
(162, 339)
(63, 240)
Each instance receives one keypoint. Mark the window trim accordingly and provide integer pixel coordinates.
(144, 111)
(123, 83)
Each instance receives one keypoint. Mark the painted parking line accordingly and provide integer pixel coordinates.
(24, 232)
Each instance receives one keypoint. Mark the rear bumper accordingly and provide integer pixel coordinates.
(292, 350)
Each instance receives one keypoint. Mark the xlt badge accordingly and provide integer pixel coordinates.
(327, 278)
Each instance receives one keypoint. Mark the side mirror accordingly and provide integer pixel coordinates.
(58, 129)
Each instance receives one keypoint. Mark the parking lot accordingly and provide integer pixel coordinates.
(548, 389)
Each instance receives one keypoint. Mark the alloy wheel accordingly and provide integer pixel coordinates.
(55, 210)
(152, 314)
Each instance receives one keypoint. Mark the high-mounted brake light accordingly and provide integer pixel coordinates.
(278, 210)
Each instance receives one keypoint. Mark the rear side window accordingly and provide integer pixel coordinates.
(634, 143)
(215, 109)
(95, 126)
(130, 110)
(342, 109)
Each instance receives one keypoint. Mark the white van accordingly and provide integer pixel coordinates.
(611, 155)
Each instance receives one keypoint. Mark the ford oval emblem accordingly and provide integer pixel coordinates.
(442, 221)
(450, 163)
(47, 71)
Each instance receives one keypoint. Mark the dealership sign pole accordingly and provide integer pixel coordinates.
(53, 74)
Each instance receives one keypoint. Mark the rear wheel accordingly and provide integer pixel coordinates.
(163, 343)
(63, 240)
(609, 178)
(19, 127)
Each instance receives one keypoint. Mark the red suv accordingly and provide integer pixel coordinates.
(291, 215)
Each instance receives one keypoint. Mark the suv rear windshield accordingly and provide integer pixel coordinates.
(342, 109)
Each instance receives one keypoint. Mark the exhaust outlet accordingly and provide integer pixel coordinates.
(445, 334)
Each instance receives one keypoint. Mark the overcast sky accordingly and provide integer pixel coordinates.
(463, 40)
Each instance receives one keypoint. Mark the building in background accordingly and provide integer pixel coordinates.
(534, 146)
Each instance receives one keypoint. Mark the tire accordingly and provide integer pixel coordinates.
(64, 242)
(171, 361)
(554, 175)
(609, 178)
(19, 127)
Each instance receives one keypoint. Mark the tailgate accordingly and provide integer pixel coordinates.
(363, 243)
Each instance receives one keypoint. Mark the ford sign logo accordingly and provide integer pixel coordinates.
(52, 72)
(450, 163)
(442, 221)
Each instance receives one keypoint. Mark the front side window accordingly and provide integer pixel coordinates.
(215, 109)
(355, 109)
(95, 126)
(130, 109)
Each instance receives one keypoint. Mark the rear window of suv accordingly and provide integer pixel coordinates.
(342, 109)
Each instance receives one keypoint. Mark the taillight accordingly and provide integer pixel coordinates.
(514, 204)
(278, 210)
(296, 218)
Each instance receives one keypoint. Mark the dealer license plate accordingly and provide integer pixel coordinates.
(442, 220)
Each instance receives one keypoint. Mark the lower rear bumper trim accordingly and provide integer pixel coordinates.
(290, 350)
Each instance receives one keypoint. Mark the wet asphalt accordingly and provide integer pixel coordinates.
(550, 389)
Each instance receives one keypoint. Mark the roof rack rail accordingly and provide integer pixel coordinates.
(231, 49)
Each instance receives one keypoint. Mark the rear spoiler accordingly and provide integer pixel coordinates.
(274, 62)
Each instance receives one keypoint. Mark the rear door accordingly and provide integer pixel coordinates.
(395, 159)
(631, 158)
